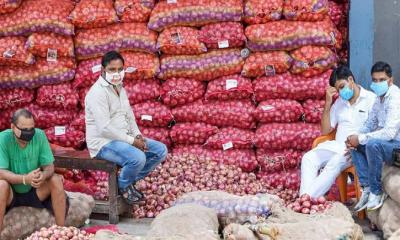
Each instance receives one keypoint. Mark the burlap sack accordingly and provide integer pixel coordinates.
(236, 231)
(109, 235)
(387, 218)
(395, 236)
(185, 222)
(391, 182)
(23, 221)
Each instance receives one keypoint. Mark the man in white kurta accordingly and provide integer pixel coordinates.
(321, 165)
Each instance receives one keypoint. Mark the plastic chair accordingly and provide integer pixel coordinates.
(341, 180)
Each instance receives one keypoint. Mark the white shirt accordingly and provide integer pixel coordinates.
(348, 119)
(108, 117)
(384, 120)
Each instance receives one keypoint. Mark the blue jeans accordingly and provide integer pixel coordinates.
(135, 163)
(368, 160)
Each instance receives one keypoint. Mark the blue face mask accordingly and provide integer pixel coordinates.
(346, 93)
(380, 88)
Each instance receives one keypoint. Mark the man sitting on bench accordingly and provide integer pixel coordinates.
(112, 133)
(26, 170)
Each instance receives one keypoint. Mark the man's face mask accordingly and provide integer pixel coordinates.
(115, 78)
(346, 93)
(26, 134)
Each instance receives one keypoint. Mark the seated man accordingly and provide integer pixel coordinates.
(346, 115)
(379, 136)
(26, 170)
(111, 130)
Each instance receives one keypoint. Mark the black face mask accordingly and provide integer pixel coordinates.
(26, 134)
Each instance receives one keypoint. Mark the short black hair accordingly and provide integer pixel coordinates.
(340, 73)
(382, 67)
(111, 56)
(20, 113)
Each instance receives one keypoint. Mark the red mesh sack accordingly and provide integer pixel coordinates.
(336, 13)
(192, 112)
(288, 86)
(281, 180)
(230, 113)
(134, 10)
(229, 87)
(38, 74)
(243, 158)
(310, 61)
(5, 117)
(289, 35)
(278, 110)
(313, 110)
(16, 97)
(58, 96)
(82, 94)
(266, 63)
(158, 134)
(46, 44)
(137, 66)
(65, 136)
(142, 90)
(90, 43)
(79, 122)
(262, 11)
(231, 138)
(203, 67)
(194, 13)
(180, 41)
(181, 91)
(286, 136)
(152, 114)
(192, 133)
(7, 6)
(38, 16)
(276, 161)
(306, 10)
(223, 35)
(93, 14)
(81, 187)
(47, 118)
(13, 52)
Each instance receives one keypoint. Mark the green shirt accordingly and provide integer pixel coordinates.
(37, 153)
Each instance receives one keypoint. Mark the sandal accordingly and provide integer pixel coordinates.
(137, 192)
(129, 195)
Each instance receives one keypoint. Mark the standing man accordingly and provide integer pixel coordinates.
(26, 170)
(111, 130)
(379, 136)
(346, 115)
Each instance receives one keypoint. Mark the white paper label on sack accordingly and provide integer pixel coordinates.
(223, 44)
(146, 118)
(333, 38)
(176, 37)
(172, 1)
(267, 107)
(9, 53)
(269, 70)
(96, 68)
(231, 83)
(51, 55)
(130, 69)
(227, 145)
(59, 130)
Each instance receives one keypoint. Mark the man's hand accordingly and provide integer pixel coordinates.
(352, 142)
(140, 143)
(330, 92)
(32, 175)
(38, 181)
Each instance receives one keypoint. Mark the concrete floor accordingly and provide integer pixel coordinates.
(139, 227)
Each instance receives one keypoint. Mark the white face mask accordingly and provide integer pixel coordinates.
(115, 78)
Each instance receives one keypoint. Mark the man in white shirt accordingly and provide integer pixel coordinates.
(346, 115)
(111, 130)
(379, 136)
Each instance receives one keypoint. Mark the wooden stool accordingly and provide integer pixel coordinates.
(72, 159)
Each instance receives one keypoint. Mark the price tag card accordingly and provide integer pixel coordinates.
(9, 53)
(227, 146)
(267, 107)
(176, 37)
(223, 44)
(146, 118)
(269, 70)
(51, 55)
(130, 69)
(59, 130)
(96, 68)
(231, 83)
(172, 1)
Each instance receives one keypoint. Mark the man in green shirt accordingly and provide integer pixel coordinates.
(26, 170)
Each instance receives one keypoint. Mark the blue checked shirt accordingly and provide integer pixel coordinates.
(384, 120)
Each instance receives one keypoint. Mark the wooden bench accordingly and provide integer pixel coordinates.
(115, 205)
